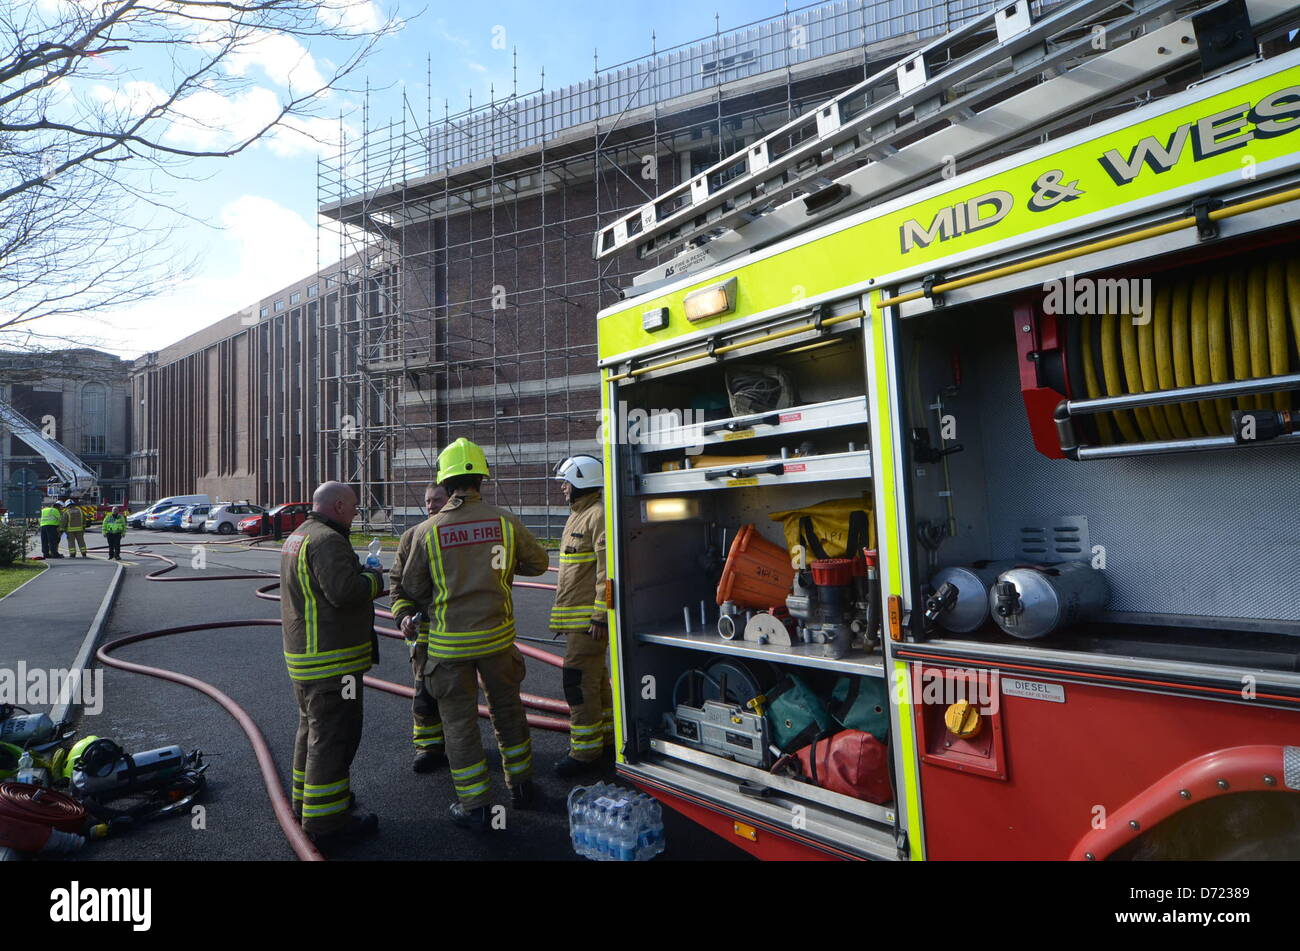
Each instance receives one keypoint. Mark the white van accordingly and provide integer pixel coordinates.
(136, 519)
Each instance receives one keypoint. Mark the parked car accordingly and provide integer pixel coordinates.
(155, 521)
(138, 519)
(224, 519)
(290, 515)
(194, 517)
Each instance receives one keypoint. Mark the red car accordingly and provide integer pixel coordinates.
(289, 515)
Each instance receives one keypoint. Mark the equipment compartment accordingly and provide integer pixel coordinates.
(679, 718)
(1165, 531)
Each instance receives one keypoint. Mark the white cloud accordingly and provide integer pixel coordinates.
(271, 246)
(351, 16)
(208, 121)
(282, 58)
(477, 67)
(133, 98)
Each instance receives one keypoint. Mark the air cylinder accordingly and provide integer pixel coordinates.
(1032, 602)
(973, 583)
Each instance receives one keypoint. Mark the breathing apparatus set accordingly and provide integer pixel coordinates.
(54, 795)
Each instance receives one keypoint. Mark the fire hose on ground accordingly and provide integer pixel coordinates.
(298, 840)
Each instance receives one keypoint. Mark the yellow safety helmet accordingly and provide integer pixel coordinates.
(462, 458)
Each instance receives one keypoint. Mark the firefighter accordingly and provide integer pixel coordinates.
(51, 518)
(579, 614)
(114, 528)
(458, 574)
(329, 644)
(426, 728)
(74, 524)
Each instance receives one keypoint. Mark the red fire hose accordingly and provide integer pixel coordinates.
(298, 840)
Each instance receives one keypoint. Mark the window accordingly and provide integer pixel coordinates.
(94, 418)
(279, 306)
(264, 312)
(331, 281)
(295, 297)
(313, 290)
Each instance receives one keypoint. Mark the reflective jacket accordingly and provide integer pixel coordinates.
(113, 525)
(580, 589)
(458, 570)
(76, 519)
(50, 515)
(325, 606)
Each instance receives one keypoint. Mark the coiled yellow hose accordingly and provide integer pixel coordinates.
(1224, 324)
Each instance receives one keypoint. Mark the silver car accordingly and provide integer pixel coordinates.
(194, 518)
(224, 518)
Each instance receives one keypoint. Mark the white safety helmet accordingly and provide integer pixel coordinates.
(581, 472)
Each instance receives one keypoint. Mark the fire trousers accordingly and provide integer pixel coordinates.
(586, 688)
(77, 540)
(329, 732)
(454, 685)
(426, 721)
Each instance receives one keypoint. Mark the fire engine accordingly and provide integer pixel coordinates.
(950, 464)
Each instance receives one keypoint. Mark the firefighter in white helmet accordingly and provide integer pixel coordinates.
(580, 614)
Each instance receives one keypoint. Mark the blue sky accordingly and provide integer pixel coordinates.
(260, 206)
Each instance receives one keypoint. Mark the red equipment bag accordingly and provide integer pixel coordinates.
(852, 762)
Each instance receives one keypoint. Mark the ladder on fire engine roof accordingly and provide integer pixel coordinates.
(76, 475)
(961, 95)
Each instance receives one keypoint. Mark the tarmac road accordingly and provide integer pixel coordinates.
(143, 713)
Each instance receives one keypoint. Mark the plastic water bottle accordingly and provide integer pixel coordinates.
(627, 835)
(577, 809)
(372, 560)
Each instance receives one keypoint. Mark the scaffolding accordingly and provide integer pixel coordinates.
(468, 286)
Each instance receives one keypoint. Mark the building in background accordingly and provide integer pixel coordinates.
(235, 410)
(80, 397)
(467, 297)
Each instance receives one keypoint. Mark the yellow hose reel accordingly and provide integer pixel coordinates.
(1239, 321)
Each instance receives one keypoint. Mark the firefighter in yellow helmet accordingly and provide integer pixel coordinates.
(457, 581)
(579, 613)
(426, 726)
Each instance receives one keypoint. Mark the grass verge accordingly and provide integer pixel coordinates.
(20, 571)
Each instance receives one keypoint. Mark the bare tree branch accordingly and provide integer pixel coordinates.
(97, 98)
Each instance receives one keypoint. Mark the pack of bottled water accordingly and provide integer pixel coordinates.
(611, 824)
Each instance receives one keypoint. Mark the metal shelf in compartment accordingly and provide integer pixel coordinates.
(858, 662)
(791, 471)
(832, 414)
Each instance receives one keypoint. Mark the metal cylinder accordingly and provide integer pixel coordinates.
(1033, 602)
(973, 583)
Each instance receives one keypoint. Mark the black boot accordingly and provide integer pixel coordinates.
(359, 825)
(476, 819)
(569, 767)
(429, 759)
(524, 795)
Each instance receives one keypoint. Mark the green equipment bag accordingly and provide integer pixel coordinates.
(796, 716)
(860, 703)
